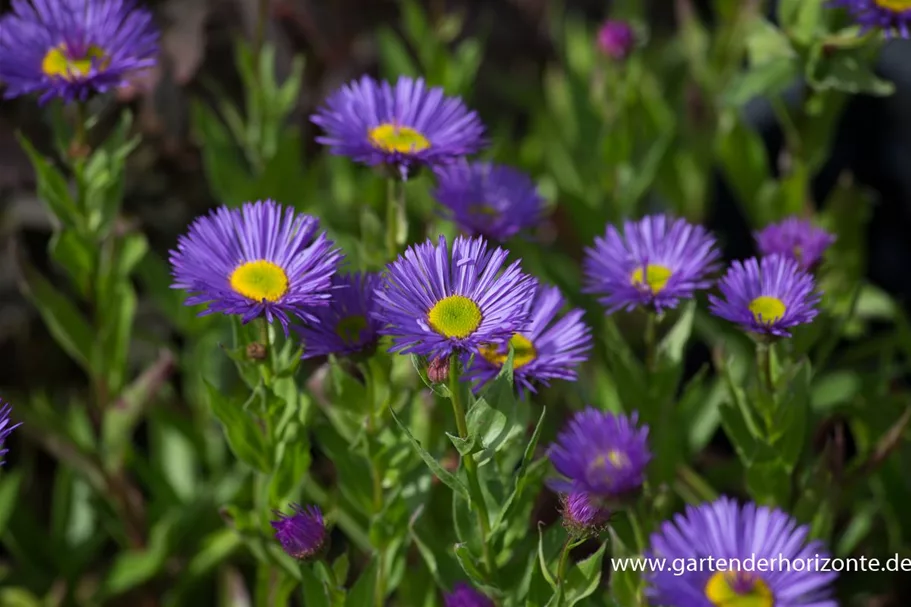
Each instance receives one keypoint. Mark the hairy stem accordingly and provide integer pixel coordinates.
(471, 467)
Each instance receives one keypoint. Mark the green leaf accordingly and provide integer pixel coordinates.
(765, 80)
(313, 589)
(361, 592)
(846, 70)
(52, 186)
(801, 19)
(745, 164)
(543, 561)
(75, 255)
(10, 482)
(469, 563)
(441, 473)
(673, 344)
(69, 328)
(766, 43)
(583, 580)
(133, 568)
(244, 437)
(292, 461)
(514, 500)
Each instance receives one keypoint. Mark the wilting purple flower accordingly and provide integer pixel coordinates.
(795, 238)
(489, 200)
(404, 126)
(301, 534)
(72, 48)
(463, 595)
(549, 348)
(433, 303)
(741, 535)
(5, 426)
(583, 514)
(767, 296)
(616, 39)
(891, 16)
(600, 453)
(656, 262)
(346, 325)
(259, 260)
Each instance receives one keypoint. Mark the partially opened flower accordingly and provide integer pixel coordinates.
(767, 296)
(303, 533)
(741, 535)
(550, 347)
(434, 303)
(259, 260)
(6, 426)
(796, 238)
(346, 325)
(489, 200)
(891, 16)
(404, 126)
(601, 454)
(583, 514)
(72, 48)
(654, 262)
(463, 595)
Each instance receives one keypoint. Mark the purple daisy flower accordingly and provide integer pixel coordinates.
(741, 535)
(5, 427)
(261, 259)
(302, 534)
(656, 262)
(548, 348)
(433, 303)
(488, 200)
(72, 48)
(766, 296)
(346, 325)
(601, 454)
(584, 514)
(404, 126)
(796, 238)
(891, 16)
(616, 39)
(463, 595)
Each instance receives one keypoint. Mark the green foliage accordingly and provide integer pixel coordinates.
(189, 432)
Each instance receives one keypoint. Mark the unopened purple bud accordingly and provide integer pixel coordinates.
(302, 534)
(616, 39)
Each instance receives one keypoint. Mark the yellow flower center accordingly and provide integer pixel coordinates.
(455, 316)
(898, 6)
(481, 209)
(652, 276)
(603, 467)
(350, 327)
(393, 138)
(260, 280)
(738, 589)
(496, 354)
(57, 63)
(767, 310)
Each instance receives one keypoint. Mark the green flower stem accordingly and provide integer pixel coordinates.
(391, 249)
(376, 473)
(564, 559)
(651, 342)
(395, 214)
(471, 467)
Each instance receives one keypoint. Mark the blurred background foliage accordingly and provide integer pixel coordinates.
(719, 116)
